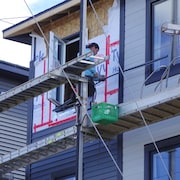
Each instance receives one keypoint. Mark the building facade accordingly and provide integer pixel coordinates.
(143, 62)
(13, 129)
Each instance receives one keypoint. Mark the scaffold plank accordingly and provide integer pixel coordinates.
(154, 108)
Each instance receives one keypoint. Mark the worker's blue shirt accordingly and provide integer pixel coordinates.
(91, 71)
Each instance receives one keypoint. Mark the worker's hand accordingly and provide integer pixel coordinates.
(102, 78)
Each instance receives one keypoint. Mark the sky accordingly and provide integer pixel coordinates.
(12, 12)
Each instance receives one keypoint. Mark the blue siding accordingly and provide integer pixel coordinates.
(97, 163)
(13, 122)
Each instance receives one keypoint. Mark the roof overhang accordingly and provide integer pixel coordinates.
(13, 70)
(20, 32)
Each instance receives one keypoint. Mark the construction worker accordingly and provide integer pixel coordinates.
(91, 74)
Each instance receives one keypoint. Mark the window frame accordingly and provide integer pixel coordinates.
(149, 47)
(61, 92)
(61, 56)
(149, 151)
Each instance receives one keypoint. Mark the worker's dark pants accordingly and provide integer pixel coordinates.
(91, 91)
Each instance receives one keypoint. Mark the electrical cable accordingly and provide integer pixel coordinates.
(5, 19)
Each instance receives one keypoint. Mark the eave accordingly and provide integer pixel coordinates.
(20, 31)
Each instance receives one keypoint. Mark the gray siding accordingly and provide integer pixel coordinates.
(134, 47)
(13, 124)
(134, 141)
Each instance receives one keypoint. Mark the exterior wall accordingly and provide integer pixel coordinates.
(97, 162)
(134, 141)
(43, 116)
(63, 29)
(13, 122)
(134, 47)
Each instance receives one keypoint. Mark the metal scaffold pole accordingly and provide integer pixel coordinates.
(83, 91)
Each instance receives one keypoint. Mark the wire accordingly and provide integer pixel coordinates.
(39, 27)
(97, 17)
(109, 152)
(22, 17)
(5, 19)
(6, 22)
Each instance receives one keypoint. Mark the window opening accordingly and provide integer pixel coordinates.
(170, 153)
(172, 162)
(72, 49)
(160, 45)
(64, 50)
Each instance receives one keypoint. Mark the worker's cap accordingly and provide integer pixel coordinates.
(92, 45)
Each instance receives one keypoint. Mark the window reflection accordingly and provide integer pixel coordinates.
(162, 41)
(171, 160)
(163, 44)
(159, 172)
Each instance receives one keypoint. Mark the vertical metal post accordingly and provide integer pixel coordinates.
(83, 19)
(81, 117)
(83, 93)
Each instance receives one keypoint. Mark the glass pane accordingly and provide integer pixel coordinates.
(177, 164)
(57, 55)
(159, 172)
(162, 42)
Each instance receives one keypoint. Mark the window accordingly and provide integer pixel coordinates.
(155, 168)
(72, 49)
(60, 52)
(162, 47)
(171, 159)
